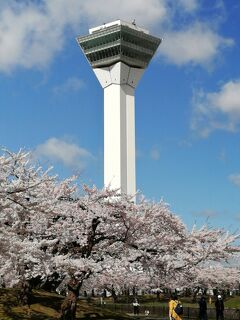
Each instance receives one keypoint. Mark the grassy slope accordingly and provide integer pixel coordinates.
(45, 306)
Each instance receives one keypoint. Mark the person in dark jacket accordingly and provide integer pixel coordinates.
(202, 309)
(219, 305)
(136, 306)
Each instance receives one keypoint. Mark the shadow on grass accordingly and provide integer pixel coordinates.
(46, 306)
(49, 300)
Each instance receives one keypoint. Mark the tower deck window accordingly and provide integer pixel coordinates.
(107, 46)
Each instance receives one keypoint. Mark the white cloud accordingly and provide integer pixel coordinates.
(32, 32)
(29, 34)
(227, 100)
(217, 110)
(67, 153)
(146, 13)
(189, 5)
(71, 84)
(196, 44)
(235, 179)
(155, 154)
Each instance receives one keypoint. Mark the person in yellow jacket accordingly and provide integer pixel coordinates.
(172, 305)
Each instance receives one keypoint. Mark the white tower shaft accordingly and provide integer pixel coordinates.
(119, 138)
(119, 82)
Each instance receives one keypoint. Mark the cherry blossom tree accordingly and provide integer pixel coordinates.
(45, 231)
(98, 239)
(28, 196)
(215, 276)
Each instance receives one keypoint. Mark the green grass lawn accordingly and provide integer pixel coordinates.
(45, 306)
(229, 302)
(159, 309)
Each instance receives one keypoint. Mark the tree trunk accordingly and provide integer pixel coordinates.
(25, 293)
(114, 296)
(69, 305)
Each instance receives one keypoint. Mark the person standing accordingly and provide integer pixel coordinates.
(173, 303)
(219, 305)
(136, 306)
(202, 309)
(210, 300)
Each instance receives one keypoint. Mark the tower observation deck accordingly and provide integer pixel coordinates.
(118, 53)
(119, 41)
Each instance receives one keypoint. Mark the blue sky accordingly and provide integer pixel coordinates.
(187, 102)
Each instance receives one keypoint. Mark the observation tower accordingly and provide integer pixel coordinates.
(119, 52)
